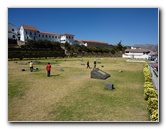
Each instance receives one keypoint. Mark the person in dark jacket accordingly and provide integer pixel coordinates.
(88, 64)
(94, 64)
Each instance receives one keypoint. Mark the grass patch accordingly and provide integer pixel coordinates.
(71, 95)
(16, 89)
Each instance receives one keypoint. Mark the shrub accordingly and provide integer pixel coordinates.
(147, 75)
(145, 64)
(149, 93)
(152, 105)
(154, 115)
(148, 85)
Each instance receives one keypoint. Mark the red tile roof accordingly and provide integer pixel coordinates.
(49, 33)
(67, 34)
(137, 50)
(91, 41)
(33, 28)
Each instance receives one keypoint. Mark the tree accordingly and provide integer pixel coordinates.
(119, 46)
(67, 46)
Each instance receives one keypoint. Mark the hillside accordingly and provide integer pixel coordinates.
(153, 47)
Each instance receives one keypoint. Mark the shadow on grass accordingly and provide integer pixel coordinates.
(55, 75)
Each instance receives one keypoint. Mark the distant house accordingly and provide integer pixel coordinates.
(93, 43)
(13, 32)
(32, 33)
(48, 36)
(138, 53)
(67, 38)
(27, 32)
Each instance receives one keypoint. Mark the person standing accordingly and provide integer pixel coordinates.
(94, 63)
(88, 64)
(31, 66)
(48, 68)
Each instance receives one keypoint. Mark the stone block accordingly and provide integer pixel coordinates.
(99, 74)
(109, 86)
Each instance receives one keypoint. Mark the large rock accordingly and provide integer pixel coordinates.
(99, 74)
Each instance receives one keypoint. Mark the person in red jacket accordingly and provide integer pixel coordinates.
(48, 68)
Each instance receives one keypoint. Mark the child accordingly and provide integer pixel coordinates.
(48, 68)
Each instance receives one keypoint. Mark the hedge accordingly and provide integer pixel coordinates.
(150, 94)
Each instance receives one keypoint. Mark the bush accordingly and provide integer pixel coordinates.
(152, 105)
(147, 75)
(154, 115)
(149, 93)
(145, 64)
(148, 85)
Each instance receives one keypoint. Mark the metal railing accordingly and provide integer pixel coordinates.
(155, 76)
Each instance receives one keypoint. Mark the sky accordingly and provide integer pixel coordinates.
(129, 25)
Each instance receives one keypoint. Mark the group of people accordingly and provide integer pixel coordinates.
(48, 67)
(88, 65)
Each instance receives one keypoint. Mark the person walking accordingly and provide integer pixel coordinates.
(88, 64)
(48, 68)
(31, 66)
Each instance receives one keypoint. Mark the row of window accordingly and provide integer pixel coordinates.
(49, 36)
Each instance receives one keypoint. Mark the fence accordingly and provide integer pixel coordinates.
(155, 76)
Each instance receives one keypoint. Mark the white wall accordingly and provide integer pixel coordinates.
(67, 38)
(135, 55)
(12, 31)
(49, 37)
(34, 35)
(22, 35)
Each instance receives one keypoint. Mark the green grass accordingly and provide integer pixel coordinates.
(94, 103)
(72, 95)
(16, 89)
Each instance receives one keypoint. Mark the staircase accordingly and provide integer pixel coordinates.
(66, 53)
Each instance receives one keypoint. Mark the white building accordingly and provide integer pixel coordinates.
(13, 32)
(137, 53)
(67, 38)
(93, 43)
(32, 33)
(28, 32)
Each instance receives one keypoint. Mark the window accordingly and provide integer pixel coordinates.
(46, 36)
(12, 29)
(52, 36)
(39, 35)
(30, 33)
(49, 36)
(42, 35)
(34, 33)
(55, 36)
(69, 37)
(26, 32)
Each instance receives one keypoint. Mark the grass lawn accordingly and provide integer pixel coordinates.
(71, 95)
